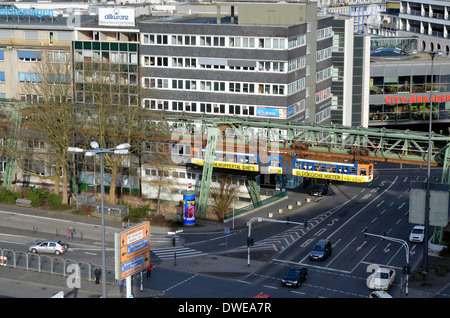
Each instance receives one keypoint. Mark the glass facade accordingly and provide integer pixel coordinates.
(403, 109)
(113, 65)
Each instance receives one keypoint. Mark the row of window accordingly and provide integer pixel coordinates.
(36, 56)
(37, 78)
(223, 86)
(106, 57)
(217, 108)
(186, 175)
(223, 41)
(223, 64)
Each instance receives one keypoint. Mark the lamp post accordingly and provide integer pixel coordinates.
(174, 243)
(427, 195)
(121, 149)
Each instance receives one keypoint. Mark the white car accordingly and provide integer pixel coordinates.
(417, 234)
(381, 279)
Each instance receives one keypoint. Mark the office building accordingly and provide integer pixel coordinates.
(264, 60)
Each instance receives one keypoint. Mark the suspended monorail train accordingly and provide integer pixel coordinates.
(275, 164)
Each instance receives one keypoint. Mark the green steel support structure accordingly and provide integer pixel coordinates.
(333, 141)
(207, 170)
(15, 119)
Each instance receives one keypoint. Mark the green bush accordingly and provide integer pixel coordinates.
(139, 213)
(37, 193)
(54, 199)
(36, 203)
(7, 196)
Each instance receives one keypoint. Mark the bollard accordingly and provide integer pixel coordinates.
(299, 202)
(289, 207)
(280, 210)
(270, 215)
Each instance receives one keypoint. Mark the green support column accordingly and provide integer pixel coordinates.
(446, 166)
(15, 119)
(207, 170)
(254, 191)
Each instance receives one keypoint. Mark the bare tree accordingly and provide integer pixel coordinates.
(223, 196)
(50, 112)
(115, 114)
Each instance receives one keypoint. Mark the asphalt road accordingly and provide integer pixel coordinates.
(380, 206)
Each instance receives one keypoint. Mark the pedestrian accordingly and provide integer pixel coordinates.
(97, 274)
(120, 282)
(149, 270)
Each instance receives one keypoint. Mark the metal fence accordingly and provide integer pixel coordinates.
(252, 206)
(53, 265)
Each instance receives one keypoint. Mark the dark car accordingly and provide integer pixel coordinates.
(321, 250)
(319, 190)
(294, 276)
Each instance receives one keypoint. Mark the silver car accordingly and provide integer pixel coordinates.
(49, 246)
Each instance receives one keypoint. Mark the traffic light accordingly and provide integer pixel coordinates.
(406, 269)
(365, 232)
(306, 223)
(174, 241)
(250, 241)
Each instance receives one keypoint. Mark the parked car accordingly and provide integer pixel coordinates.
(417, 234)
(321, 250)
(294, 276)
(49, 246)
(319, 190)
(381, 279)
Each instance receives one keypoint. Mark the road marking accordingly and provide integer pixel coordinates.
(273, 287)
(297, 292)
(363, 208)
(180, 283)
(361, 246)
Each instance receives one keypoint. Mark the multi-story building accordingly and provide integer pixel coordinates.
(264, 61)
(401, 94)
(427, 19)
(363, 12)
(27, 38)
(351, 65)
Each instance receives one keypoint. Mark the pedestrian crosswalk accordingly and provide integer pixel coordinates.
(283, 240)
(181, 252)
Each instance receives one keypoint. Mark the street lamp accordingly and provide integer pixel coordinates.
(121, 149)
(427, 195)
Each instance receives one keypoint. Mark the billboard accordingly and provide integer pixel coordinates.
(132, 249)
(439, 206)
(116, 17)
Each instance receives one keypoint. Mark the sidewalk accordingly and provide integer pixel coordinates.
(434, 281)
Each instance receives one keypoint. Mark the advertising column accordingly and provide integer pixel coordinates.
(189, 207)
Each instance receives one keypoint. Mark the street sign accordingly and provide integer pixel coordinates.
(132, 249)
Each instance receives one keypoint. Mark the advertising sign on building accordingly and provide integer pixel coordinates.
(116, 17)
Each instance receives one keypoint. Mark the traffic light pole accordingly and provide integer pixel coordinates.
(405, 245)
(250, 239)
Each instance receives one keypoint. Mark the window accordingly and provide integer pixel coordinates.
(30, 77)
(29, 56)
